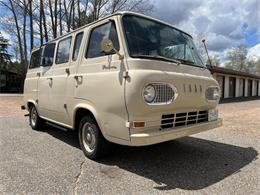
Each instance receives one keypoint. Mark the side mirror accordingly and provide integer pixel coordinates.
(107, 46)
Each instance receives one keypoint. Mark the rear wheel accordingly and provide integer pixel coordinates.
(91, 140)
(36, 122)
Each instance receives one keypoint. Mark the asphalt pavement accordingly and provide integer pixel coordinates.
(220, 161)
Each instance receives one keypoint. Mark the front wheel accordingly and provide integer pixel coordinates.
(91, 140)
(36, 122)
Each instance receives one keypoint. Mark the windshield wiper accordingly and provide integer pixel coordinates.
(192, 63)
(158, 58)
(186, 61)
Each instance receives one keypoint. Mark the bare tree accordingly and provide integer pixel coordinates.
(73, 14)
(215, 61)
(44, 22)
(60, 17)
(30, 13)
(11, 7)
(141, 6)
(53, 15)
(55, 18)
(40, 24)
(79, 13)
(25, 8)
(36, 21)
(237, 58)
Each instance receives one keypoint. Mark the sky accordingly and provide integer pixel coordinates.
(224, 23)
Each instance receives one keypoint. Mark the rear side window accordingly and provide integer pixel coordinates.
(48, 54)
(77, 44)
(107, 30)
(63, 51)
(35, 61)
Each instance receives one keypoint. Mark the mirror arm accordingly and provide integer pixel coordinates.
(121, 57)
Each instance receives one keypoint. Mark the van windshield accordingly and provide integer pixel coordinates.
(154, 40)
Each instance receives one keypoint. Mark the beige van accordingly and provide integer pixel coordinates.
(127, 79)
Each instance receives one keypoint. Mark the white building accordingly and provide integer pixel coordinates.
(236, 85)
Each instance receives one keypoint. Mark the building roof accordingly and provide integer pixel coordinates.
(215, 69)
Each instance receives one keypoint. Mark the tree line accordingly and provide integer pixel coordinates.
(236, 59)
(34, 22)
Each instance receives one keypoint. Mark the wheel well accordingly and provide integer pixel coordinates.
(81, 112)
(30, 104)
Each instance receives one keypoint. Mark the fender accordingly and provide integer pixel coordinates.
(90, 107)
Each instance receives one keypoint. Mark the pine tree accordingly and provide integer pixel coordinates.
(5, 57)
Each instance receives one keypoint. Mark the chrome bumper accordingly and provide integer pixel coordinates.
(157, 136)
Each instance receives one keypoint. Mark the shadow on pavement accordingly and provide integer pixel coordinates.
(69, 137)
(187, 163)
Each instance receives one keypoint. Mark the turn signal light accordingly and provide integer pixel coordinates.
(139, 124)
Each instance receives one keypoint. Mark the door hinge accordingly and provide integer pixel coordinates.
(126, 74)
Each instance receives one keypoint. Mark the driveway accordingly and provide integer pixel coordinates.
(220, 161)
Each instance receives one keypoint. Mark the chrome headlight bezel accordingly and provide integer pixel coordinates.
(212, 94)
(155, 85)
(149, 93)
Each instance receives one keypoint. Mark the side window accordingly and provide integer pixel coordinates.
(35, 59)
(77, 44)
(48, 54)
(63, 51)
(107, 30)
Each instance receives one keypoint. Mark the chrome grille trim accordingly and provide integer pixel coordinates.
(192, 88)
(183, 119)
(165, 94)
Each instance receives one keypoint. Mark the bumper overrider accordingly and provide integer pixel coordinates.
(158, 136)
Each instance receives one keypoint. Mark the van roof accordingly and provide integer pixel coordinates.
(117, 13)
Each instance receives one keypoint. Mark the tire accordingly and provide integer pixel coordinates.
(92, 142)
(36, 122)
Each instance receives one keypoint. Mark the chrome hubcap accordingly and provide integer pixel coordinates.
(33, 116)
(89, 138)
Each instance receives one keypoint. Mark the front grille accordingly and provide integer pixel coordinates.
(164, 93)
(183, 119)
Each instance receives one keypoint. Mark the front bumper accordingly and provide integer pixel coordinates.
(157, 136)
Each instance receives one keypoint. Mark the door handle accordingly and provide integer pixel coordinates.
(67, 70)
(50, 81)
(38, 74)
(77, 77)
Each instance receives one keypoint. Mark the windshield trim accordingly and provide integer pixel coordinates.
(163, 23)
(160, 58)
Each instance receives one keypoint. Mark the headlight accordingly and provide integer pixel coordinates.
(149, 93)
(159, 93)
(212, 94)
